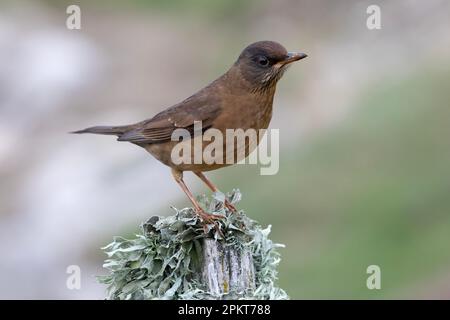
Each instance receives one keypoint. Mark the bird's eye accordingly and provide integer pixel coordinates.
(263, 61)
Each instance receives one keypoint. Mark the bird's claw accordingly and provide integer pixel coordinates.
(230, 206)
(210, 219)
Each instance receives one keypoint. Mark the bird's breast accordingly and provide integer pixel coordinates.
(245, 112)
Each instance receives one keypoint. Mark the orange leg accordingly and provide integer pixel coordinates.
(214, 189)
(208, 218)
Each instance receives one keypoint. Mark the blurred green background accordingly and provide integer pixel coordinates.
(364, 125)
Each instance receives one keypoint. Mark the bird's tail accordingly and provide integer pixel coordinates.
(104, 130)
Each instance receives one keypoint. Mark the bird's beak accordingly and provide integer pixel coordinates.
(293, 56)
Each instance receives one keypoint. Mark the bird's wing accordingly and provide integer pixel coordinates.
(183, 115)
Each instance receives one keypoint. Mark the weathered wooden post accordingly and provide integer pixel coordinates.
(174, 258)
(226, 269)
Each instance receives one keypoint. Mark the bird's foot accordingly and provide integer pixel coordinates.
(230, 206)
(210, 219)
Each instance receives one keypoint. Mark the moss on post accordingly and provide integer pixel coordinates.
(173, 258)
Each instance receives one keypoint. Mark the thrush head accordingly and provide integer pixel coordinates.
(263, 63)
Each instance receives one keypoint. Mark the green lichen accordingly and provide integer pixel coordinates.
(163, 262)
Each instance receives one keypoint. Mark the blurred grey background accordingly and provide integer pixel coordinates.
(364, 128)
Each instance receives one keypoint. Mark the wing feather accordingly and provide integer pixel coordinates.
(200, 107)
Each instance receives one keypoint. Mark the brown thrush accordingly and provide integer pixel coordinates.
(239, 99)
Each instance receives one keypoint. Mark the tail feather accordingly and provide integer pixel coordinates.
(103, 130)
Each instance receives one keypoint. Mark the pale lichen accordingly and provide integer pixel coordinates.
(163, 262)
